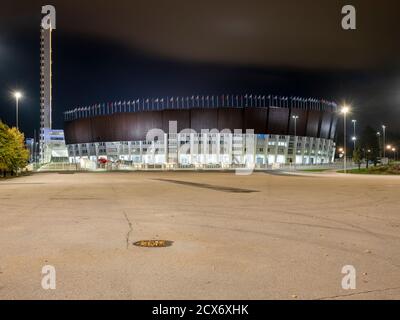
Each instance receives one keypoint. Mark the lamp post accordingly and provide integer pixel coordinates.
(295, 124)
(354, 138)
(389, 147)
(340, 152)
(384, 140)
(345, 110)
(394, 154)
(378, 134)
(295, 138)
(17, 96)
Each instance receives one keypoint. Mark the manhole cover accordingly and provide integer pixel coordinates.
(153, 243)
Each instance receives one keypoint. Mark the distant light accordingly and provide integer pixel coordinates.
(354, 138)
(295, 117)
(383, 127)
(18, 95)
(378, 133)
(394, 149)
(345, 109)
(354, 121)
(389, 146)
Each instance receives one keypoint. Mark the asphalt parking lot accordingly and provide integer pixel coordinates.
(233, 237)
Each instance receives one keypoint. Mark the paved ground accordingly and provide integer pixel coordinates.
(235, 237)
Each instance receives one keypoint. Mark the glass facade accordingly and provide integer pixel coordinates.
(215, 149)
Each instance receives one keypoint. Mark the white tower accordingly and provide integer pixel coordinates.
(45, 86)
(52, 143)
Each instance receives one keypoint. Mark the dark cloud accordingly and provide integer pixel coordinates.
(291, 33)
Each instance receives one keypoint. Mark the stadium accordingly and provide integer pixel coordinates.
(204, 131)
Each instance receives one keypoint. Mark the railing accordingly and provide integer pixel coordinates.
(60, 166)
(173, 103)
(327, 166)
(68, 167)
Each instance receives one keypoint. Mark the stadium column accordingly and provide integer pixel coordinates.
(303, 148)
(153, 152)
(141, 152)
(317, 146)
(205, 147)
(178, 144)
(191, 147)
(230, 146)
(266, 141)
(218, 142)
(254, 148)
(287, 142)
(96, 149)
(165, 147)
(310, 155)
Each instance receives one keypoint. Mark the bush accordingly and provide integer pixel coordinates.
(389, 169)
(394, 169)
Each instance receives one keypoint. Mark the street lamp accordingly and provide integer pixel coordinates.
(17, 96)
(388, 147)
(378, 134)
(345, 110)
(295, 124)
(384, 140)
(295, 138)
(354, 133)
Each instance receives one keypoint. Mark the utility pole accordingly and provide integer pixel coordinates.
(384, 141)
(345, 110)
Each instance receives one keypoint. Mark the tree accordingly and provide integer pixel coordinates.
(13, 153)
(357, 157)
(3, 147)
(370, 145)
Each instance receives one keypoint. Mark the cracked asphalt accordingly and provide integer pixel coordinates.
(234, 237)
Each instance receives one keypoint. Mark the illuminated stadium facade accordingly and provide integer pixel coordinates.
(201, 131)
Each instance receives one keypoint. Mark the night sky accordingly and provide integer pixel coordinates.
(110, 51)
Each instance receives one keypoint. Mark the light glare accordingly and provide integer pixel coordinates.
(345, 109)
(18, 95)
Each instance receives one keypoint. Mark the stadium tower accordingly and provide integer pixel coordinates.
(52, 144)
(45, 86)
